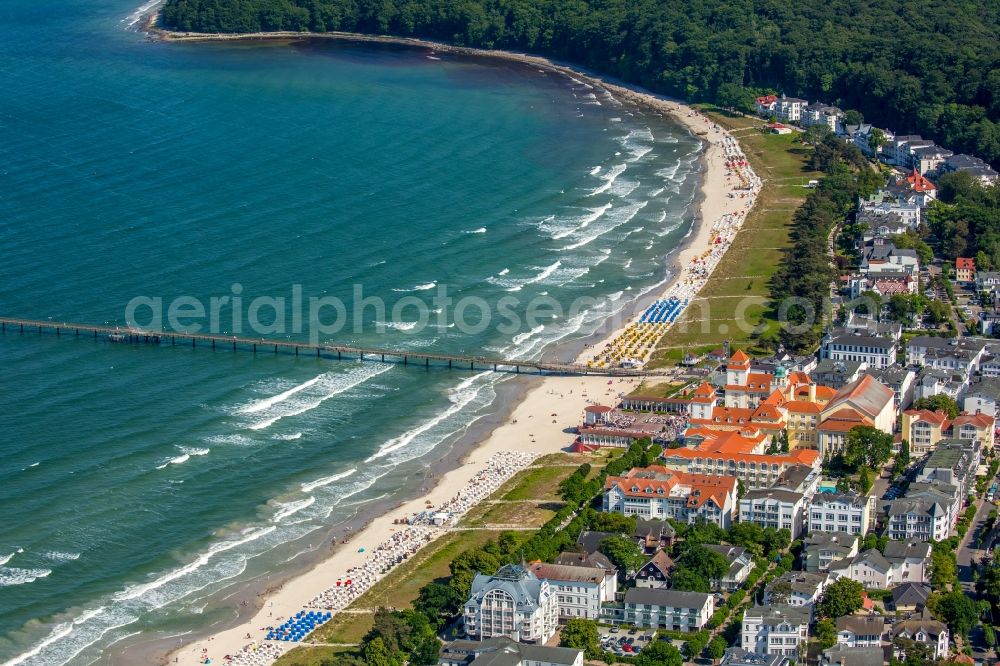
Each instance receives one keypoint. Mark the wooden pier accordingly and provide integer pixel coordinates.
(339, 352)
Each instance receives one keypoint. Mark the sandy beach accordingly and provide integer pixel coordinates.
(543, 421)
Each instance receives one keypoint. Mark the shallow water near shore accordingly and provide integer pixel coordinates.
(136, 483)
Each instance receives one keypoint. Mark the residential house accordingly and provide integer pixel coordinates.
(848, 513)
(987, 281)
(925, 515)
(877, 352)
(975, 166)
(910, 597)
(841, 655)
(595, 560)
(925, 159)
(772, 507)
(910, 560)
(505, 652)
(579, 591)
(797, 588)
(778, 629)
(514, 603)
(901, 380)
(822, 549)
(931, 382)
(930, 633)
(881, 256)
(654, 535)
(822, 114)
(656, 572)
(983, 398)
(965, 270)
(954, 462)
(737, 656)
(837, 373)
(590, 541)
(860, 630)
(658, 492)
(870, 568)
(919, 347)
(652, 608)
(740, 565)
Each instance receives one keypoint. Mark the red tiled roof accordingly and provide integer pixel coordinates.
(979, 420)
(803, 407)
(966, 263)
(649, 480)
(937, 418)
(918, 183)
(739, 356)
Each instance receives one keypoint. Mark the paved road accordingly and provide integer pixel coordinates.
(966, 554)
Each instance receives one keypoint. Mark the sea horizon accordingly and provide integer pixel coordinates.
(198, 475)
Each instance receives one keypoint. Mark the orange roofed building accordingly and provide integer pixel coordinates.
(661, 493)
(738, 453)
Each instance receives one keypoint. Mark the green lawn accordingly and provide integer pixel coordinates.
(313, 656)
(741, 282)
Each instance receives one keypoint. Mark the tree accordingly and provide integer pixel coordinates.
(779, 592)
(583, 635)
(659, 653)
(939, 402)
(989, 636)
(377, 654)
(853, 117)
(944, 570)
(842, 597)
(717, 648)
(867, 446)
(865, 480)
(958, 611)
(826, 632)
(624, 553)
(695, 644)
(876, 139)
(438, 601)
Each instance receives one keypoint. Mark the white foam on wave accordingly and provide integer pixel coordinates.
(543, 274)
(521, 337)
(596, 170)
(420, 287)
(232, 438)
(460, 397)
(326, 480)
(192, 451)
(609, 179)
(624, 216)
(398, 325)
(60, 556)
(480, 230)
(261, 405)
(4, 559)
(137, 15)
(292, 508)
(504, 271)
(288, 437)
(333, 385)
(593, 214)
(136, 591)
(11, 576)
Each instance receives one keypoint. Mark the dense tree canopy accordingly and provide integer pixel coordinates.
(915, 66)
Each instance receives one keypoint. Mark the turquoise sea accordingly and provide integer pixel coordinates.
(140, 485)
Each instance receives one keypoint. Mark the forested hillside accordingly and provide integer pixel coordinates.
(924, 66)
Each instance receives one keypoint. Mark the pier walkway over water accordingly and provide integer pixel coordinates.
(339, 352)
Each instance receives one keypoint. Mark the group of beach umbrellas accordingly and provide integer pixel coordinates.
(296, 628)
